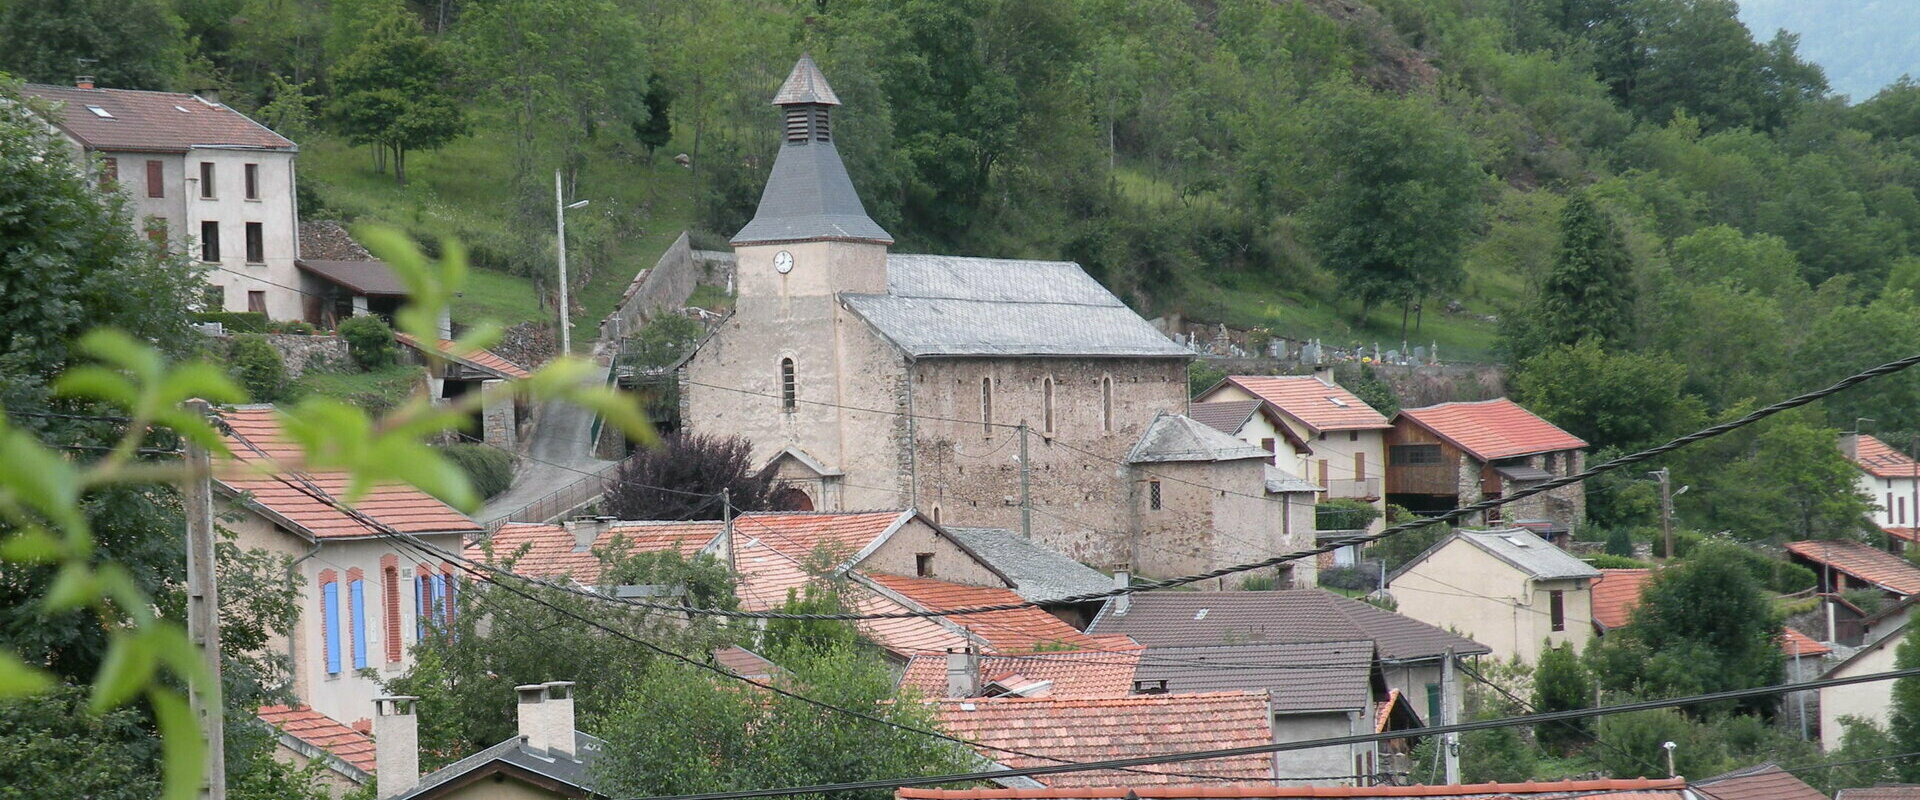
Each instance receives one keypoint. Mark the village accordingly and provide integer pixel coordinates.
(913, 515)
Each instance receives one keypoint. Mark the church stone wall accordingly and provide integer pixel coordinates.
(970, 474)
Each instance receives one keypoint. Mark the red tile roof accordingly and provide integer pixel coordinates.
(1765, 782)
(1794, 643)
(484, 360)
(1096, 729)
(1018, 631)
(161, 122)
(403, 507)
(772, 551)
(553, 551)
(1616, 593)
(1490, 430)
(324, 732)
(905, 636)
(1896, 791)
(1863, 562)
(746, 663)
(1903, 533)
(1077, 674)
(1642, 787)
(1881, 460)
(1319, 406)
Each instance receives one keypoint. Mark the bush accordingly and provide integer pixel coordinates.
(369, 341)
(293, 326)
(235, 321)
(1352, 579)
(1344, 515)
(662, 342)
(1611, 561)
(258, 367)
(1620, 543)
(490, 469)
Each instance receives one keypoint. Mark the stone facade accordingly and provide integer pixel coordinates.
(1197, 526)
(498, 424)
(301, 353)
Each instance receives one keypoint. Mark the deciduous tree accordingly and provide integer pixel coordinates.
(683, 477)
(394, 91)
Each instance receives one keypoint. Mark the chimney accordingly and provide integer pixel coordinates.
(1850, 444)
(586, 531)
(1324, 374)
(1122, 578)
(560, 719)
(396, 744)
(83, 82)
(963, 677)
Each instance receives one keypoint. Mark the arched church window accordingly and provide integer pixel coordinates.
(788, 385)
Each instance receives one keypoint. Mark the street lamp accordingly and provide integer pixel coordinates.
(560, 209)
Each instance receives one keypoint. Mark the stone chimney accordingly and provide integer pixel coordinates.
(963, 673)
(586, 530)
(546, 717)
(1850, 444)
(1122, 578)
(396, 744)
(83, 81)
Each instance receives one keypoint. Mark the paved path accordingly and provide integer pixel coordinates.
(555, 456)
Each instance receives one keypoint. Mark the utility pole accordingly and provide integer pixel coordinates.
(203, 610)
(1913, 485)
(1026, 486)
(1666, 509)
(726, 527)
(560, 209)
(1449, 715)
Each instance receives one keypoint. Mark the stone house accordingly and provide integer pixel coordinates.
(1344, 437)
(1892, 479)
(1508, 589)
(1445, 456)
(985, 392)
(366, 598)
(1188, 524)
(199, 177)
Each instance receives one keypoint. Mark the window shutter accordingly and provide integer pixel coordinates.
(357, 603)
(156, 179)
(391, 576)
(253, 181)
(423, 591)
(330, 624)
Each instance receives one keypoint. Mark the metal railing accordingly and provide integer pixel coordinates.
(564, 500)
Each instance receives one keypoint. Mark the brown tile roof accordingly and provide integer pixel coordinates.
(161, 122)
(370, 278)
(1863, 562)
(1307, 399)
(484, 360)
(746, 663)
(552, 551)
(1616, 593)
(1106, 672)
(1018, 631)
(324, 732)
(1899, 791)
(1882, 460)
(1194, 619)
(1225, 416)
(405, 508)
(1094, 729)
(1490, 430)
(1763, 782)
(1794, 643)
(1301, 678)
(1609, 787)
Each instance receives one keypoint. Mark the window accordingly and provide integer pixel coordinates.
(256, 243)
(156, 179)
(923, 564)
(357, 616)
(1434, 699)
(1903, 510)
(446, 594)
(1889, 506)
(1557, 609)
(1106, 405)
(1046, 400)
(986, 406)
(206, 180)
(257, 302)
(1269, 445)
(1153, 495)
(423, 595)
(390, 580)
(330, 620)
(253, 181)
(1359, 466)
(1323, 473)
(109, 173)
(209, 240)
(1414, 455)
(1353, 436)
(789, 386)
(101, 112)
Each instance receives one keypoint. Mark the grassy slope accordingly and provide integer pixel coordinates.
(459, 191)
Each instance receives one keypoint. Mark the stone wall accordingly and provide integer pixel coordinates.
(301, 353)
(666, 286)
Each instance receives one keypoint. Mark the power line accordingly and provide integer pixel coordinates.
(1528, 707)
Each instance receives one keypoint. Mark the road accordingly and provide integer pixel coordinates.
(556, 455)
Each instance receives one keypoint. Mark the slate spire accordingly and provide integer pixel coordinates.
(809, 196)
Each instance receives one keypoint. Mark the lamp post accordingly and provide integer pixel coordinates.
(560, 209)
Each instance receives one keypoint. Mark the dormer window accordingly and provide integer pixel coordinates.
(101, 112)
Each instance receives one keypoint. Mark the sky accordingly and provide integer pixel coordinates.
(1862, 44)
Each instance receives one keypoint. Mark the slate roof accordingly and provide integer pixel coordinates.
(403, 507)
(551, 551)
(1616, 593)
(370, 278)
(1882, 460)
(1225, 416)
(1519, 548)
(1665, 788)
(808, 196)
(1171, 438)
(1279, 482)
(1314, 403)
(576, 772)
(1021, 630)
(1107, 672)
(319, 730)
(1038, 573)
(1301, 678)
(156, 122)
(1898, 791)
(484, 360)
(1095, 729)
(960, 306)
(1862, 561)
(1192, 619)
(1761, 782)
(1494, 429)
(805, 85)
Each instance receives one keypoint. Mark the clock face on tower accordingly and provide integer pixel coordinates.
(783, 262)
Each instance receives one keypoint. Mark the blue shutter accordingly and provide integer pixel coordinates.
(330, 623)
(357, 603)
(443, 598)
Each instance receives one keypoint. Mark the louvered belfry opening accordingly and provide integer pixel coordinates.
(809, 123)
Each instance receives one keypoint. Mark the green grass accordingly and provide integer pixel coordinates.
(1243, 301)
(375, 391)
(461, 191)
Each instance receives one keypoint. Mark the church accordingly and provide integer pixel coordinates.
(982, 392)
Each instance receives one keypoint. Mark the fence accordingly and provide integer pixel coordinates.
(564, 500)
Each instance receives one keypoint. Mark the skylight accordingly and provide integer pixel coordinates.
(1337, 401)
(101, 112)
(1516, 541)
(182, 109)
(1200, 615)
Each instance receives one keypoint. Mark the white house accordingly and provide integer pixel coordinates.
(1507, 589)
(198, 176)
(1315, 429)
(1891, 478)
